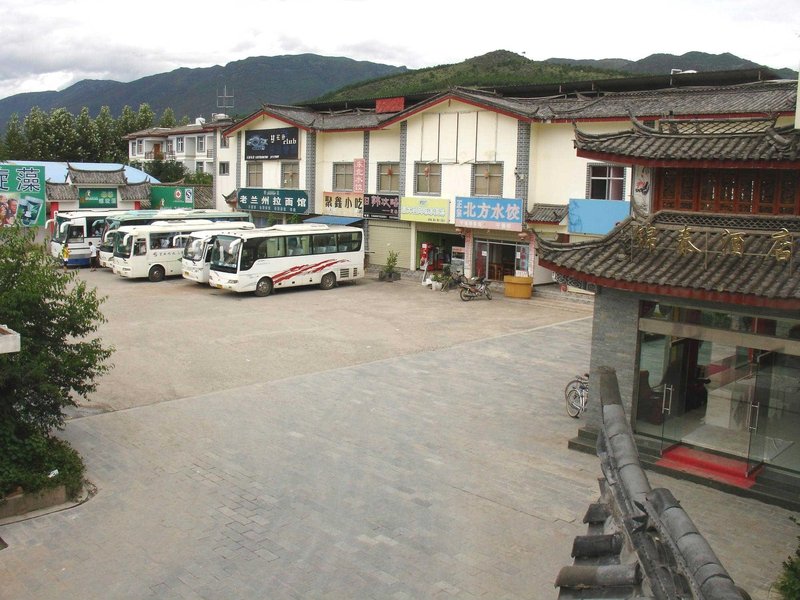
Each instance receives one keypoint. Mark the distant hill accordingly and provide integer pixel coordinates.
(660, 64)
(304, 78)
(193, 92)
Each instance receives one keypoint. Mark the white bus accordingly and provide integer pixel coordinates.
(196, 260)
(76, 228)
(287, 256)
(155, 251)
(146, 217)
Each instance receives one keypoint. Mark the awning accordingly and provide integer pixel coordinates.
(334, 220)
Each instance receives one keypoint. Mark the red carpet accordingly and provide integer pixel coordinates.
(711, 466)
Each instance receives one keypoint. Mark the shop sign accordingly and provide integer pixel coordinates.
(359, 175)
(274, 200)
(490, 213)
(97, 197)
(271, 144)
(171, 197)
(22, 196)
(342, 204)
(425, 210)
(381, 206)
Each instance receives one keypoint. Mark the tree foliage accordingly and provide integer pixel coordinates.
(57, 317)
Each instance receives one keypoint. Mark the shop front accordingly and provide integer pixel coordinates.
(269, 206)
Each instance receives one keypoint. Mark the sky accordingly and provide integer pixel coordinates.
(52, 44)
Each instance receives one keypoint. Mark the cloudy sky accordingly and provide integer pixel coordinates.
(51, 44)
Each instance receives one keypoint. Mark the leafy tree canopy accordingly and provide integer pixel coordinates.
(57, 317)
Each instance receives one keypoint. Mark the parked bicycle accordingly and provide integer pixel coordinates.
(576, 395)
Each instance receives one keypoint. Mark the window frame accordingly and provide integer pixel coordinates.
(609, 180)
(255, 174)
(201, 144)
(179, 144)
(388, 171)
(343, 177)
(292, 169)
(428, 172)
(224, 168)
(484, 174)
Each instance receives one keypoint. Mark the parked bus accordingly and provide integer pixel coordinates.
(196, 260)
(286, 256)
(76, 229)
(146, 217)
(154, 251)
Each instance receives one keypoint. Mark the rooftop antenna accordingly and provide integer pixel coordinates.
(225, 100)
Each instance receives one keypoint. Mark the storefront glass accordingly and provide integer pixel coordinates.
(720, 381)
(494, 259)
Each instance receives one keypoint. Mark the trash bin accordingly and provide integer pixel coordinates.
(517, 287)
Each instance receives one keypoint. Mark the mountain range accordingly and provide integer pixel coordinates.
(295, 79)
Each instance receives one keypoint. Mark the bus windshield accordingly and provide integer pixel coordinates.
(123, 245)
(194, 249)
(225, 254)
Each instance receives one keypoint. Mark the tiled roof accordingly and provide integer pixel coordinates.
(321, 120)
(135, 192)
(96, 177)
(61, 192)
(737, 140)
(547, 213)
(748, 99)
(753, 258)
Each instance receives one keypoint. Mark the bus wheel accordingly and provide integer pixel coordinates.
(328, 281)
(156, 273)
(264, 287)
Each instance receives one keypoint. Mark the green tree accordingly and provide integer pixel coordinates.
(166, 171)
(88, 143)
(108, 138)
(14, 147)
(167, 118)
(145, 117)
(126, 123)
(199, 178)
(36, 128)
(63, 135)
(57, 317)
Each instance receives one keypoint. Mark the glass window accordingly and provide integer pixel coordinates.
(428, 178)
(343, 177)
(133, 147)
(224, 141)
(224, 168)
(349, 242)
(389, 178)
(298, 245)
(179, 144)
(606, 182)
(290, 174)
(139, 146)
(255, 174)
(487, 179)
(276, 247)
(201, 143)
(324, 243)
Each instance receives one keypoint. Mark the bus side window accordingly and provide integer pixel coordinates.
(276, 247)
(261, 252)
(96, 227)
(139, 248)
(75, 233)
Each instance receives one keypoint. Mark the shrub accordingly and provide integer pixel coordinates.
(788, 585)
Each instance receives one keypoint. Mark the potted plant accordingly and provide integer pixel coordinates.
(389, 271)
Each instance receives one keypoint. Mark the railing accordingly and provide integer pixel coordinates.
(665, 556)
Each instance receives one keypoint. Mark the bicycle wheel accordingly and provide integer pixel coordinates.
(574, 405)
(572, 385)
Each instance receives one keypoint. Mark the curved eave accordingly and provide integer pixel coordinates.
(677, 292)
(687, 116)
(684, 163)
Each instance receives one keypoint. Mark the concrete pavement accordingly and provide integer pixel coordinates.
(431, 464)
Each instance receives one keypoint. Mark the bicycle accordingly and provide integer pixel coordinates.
(576, 395)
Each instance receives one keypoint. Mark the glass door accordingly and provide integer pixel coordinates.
(758, 409)
(481, 259)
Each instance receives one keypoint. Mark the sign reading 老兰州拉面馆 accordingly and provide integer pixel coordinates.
(22, 195)
(273, 200)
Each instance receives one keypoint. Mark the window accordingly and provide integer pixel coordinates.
(133, 147)
(290, 174)
(487, 179)
(224, 168)
(255, 174)
(139, 146)
(179, 144)
(324, 243)
(170, 147)
(224, 141)
(606, 182)
(201, 143)
(298, 245)
(343, 177)
(388, 178)
(428, 178)
(198, 168)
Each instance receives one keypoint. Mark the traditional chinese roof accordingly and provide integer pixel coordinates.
(135, 192)
(344, 120)
(739, 259)
(61, 192)
(547, 213)
(96, 177)
(713, 142)
(152, 132)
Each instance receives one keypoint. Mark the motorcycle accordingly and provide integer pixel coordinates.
(473, 288)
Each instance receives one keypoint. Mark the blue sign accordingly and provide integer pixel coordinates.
(276, 200)
(490, 213)
(597, 217)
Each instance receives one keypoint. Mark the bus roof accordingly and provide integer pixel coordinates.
(178, 213)
(294, 229)
(184, 226)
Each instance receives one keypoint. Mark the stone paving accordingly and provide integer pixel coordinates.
(441, 473)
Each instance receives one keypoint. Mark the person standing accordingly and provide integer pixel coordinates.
(92, 256)
(65, 255)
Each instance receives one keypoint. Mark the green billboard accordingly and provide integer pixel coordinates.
(97, 197)
(22, 195)
(170, 196)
